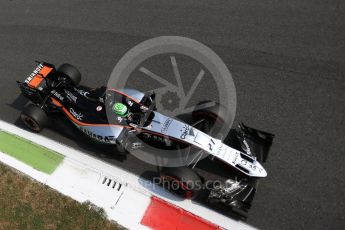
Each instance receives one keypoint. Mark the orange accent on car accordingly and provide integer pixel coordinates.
(38, 78)
(56, 102)
(45, 70)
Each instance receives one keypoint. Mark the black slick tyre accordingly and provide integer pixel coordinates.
(34, 118)
(71, 72)
(182, 181)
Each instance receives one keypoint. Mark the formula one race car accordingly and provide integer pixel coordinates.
(121, 116)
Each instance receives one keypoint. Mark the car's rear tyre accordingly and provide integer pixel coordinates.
(71, 72)
(213, 117)
(182, 181)
(34, 118)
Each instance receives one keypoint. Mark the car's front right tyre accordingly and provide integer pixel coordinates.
(209, 119)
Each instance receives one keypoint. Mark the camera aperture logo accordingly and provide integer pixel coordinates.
(177, 93)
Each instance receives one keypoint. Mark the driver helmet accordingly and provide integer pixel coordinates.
(120, 109)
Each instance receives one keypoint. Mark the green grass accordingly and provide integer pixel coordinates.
(38, 157)
(26, 204)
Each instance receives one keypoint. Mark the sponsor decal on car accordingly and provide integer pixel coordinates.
(211, 144)
(34, 73)
(247, 147)
(78, 116)
(82, 92)
(185, 131)
(71, 96)
(166, 125)
(58, 95)
(100, 138)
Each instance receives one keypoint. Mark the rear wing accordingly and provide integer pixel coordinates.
(36, 79)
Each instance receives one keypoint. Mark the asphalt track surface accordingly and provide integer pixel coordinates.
(286, 58)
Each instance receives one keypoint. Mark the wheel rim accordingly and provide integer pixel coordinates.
(31, 123)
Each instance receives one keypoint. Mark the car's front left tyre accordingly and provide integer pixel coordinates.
(182, 181)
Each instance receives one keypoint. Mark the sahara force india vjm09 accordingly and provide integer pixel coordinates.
(122, 116)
